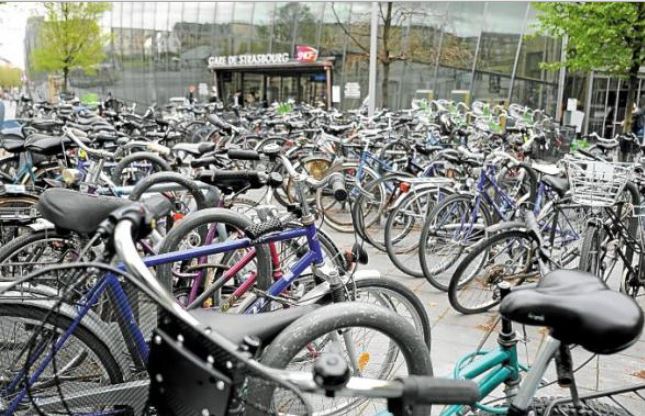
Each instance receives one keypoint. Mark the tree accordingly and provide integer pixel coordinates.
(285, 18)
(10, 77)
(392, 18)
(70, 38)
(605, 36)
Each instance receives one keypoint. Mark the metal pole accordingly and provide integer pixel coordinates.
(517, 54)
(373, 51)
(563, 74)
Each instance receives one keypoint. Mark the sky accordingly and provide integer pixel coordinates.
(13, 19)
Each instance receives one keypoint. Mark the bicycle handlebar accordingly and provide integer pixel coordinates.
(73, 134)
(412, 389)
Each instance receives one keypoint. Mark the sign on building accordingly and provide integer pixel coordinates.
(352, 90)
(248, 59)
(305, 53)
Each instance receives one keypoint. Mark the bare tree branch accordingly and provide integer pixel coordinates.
(347, 32)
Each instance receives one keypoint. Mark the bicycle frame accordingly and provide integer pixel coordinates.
(498, 366)
(132, 334)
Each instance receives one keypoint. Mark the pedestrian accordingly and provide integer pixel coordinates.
(191, 94)
(238, 100)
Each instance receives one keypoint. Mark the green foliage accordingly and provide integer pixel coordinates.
(284, 108)
(606, 36)
(10, 77)
(70, 38)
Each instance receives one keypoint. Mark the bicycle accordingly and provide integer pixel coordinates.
(577, 307)
(70, 313)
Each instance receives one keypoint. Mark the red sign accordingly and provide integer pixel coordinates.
(306, 53)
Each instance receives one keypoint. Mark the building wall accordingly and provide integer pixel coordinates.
(485, 49)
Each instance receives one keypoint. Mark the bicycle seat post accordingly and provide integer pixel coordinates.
(508, 340)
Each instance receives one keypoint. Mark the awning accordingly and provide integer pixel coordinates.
(285, 68)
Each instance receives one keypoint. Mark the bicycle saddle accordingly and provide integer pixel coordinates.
(45, 124)
(579, 308)
(558, 184)
(45, 144)
(79, 212)
(265, 326)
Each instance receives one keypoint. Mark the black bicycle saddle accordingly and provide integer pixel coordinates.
(579, 308)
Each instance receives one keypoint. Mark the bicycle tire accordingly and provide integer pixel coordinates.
(205, 217)
(11, 249)
(393, 252)
(591, 243)
(336, 317)
(373, 230)
(590, 407)
(155, 159)
(457, 285)
(331, 219)
(430, 273)
(423, 324)
(84, 335)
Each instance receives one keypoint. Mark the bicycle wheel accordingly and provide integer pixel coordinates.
(588, 407)
(376, 343)
(370, 215)
(30, 252)
(396, 297)
(451, 227)
(201, 228)
(403, 230)
(83, 362)
(591, 250)
(338, 215)
(137, 166)
(503, 257)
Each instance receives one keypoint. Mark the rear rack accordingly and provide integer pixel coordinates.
(631, 400)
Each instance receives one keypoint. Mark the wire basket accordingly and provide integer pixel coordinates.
(67, 348)
(624, 401)
(597, 184)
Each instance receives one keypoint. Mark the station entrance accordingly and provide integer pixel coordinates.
(308, 82)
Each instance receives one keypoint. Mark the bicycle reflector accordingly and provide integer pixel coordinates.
(404, 187)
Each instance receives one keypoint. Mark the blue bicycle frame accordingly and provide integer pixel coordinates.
(135, 340)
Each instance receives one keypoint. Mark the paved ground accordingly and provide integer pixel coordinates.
(454, 335)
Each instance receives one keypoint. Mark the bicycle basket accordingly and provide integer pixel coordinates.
(597, 184)
(68, 347)
(623, 401)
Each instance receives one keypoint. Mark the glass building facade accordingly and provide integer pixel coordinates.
(461, 50)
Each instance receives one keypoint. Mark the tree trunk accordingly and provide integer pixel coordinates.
(385, 85)
(632, 85)
(65, 76)
(385, 57)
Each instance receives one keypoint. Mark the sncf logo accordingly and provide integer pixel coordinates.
(305, 53)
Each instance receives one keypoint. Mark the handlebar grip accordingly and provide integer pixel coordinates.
(429, 390)
(242, 154)
(205, 161)
(338, 187)
(249, 175)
